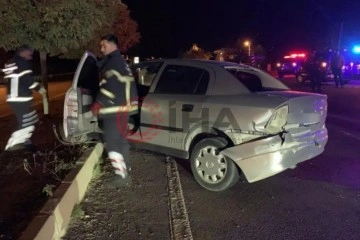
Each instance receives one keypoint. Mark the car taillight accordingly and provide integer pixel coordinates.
(72, 105)
(277, 120)
(70, 111)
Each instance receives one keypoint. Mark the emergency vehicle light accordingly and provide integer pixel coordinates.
(296, 55)
(356, 49)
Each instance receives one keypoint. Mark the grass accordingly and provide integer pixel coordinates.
(77, 213)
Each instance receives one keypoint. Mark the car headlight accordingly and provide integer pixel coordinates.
(277, 120)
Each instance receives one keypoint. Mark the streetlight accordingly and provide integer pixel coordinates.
(248, 44)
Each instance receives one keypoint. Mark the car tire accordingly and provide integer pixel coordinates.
(300, 79)
(59, 132)
(210, 168)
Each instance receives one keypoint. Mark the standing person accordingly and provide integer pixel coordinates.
(316, 76)
(20, 86)
(117, 97)
(336, 64)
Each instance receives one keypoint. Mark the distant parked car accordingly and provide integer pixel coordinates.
(227, 119)
(290, 64)
(321, 60)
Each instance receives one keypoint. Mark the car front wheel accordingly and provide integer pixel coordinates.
(60, 135)
(211, 169)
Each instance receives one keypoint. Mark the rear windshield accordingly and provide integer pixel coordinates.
(256, 80)
(293, 60)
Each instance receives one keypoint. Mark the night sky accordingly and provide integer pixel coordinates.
(169, 27)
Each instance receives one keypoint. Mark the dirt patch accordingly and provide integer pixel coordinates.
(26, 179)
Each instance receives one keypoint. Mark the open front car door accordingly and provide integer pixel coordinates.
(78, 119)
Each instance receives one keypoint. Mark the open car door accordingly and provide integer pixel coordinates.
(78, 119)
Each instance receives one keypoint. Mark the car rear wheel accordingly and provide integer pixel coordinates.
(300, 79)
(211, 169)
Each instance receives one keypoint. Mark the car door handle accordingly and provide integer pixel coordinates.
(187, 107)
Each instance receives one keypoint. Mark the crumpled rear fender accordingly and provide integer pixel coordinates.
(259, 159)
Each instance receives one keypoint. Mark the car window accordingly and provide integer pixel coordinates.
(177, 79)
(256, 80)
(89, 76)
(251, 82)
(145, 73)
(293, 60)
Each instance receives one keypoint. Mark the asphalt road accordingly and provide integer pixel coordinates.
(320, 199)
(56, 90)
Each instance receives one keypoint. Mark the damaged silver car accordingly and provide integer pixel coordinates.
(227, 119)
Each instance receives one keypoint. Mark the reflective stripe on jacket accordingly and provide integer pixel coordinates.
(20, 80)
(117, 91)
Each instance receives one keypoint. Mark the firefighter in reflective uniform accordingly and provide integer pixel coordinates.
(117, 97)
(20, 86)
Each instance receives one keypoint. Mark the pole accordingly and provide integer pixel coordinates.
(45, 102)
(340, 34)
(249, 50)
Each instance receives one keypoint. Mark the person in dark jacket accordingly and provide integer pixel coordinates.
(315, 73)
(117, 97)
(336, 63)
(20, 86)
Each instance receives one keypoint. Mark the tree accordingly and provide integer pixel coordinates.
(62, 27)
(51, 27)
(197, 53)
(4, 56)
(123, 26)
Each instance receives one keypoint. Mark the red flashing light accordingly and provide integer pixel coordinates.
(296, 55)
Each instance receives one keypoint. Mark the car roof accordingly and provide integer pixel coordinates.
(199, 61)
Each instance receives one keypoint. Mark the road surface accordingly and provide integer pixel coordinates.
(56, 90)
(320, 199)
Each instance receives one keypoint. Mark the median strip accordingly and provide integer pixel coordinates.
(53, 219)
(178, 216)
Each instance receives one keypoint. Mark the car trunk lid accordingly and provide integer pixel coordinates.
(306, 110)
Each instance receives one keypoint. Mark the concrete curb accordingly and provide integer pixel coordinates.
(53, 219)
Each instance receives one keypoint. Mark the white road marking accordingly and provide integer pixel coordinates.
(179, 220)
(350, 121)
(343, 118)
(350, 135)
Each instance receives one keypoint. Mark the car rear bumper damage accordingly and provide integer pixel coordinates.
(266, 157)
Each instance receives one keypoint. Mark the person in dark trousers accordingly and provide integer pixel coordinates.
(336, 64)
(117, 97)
(316, 76)
(20, 86)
